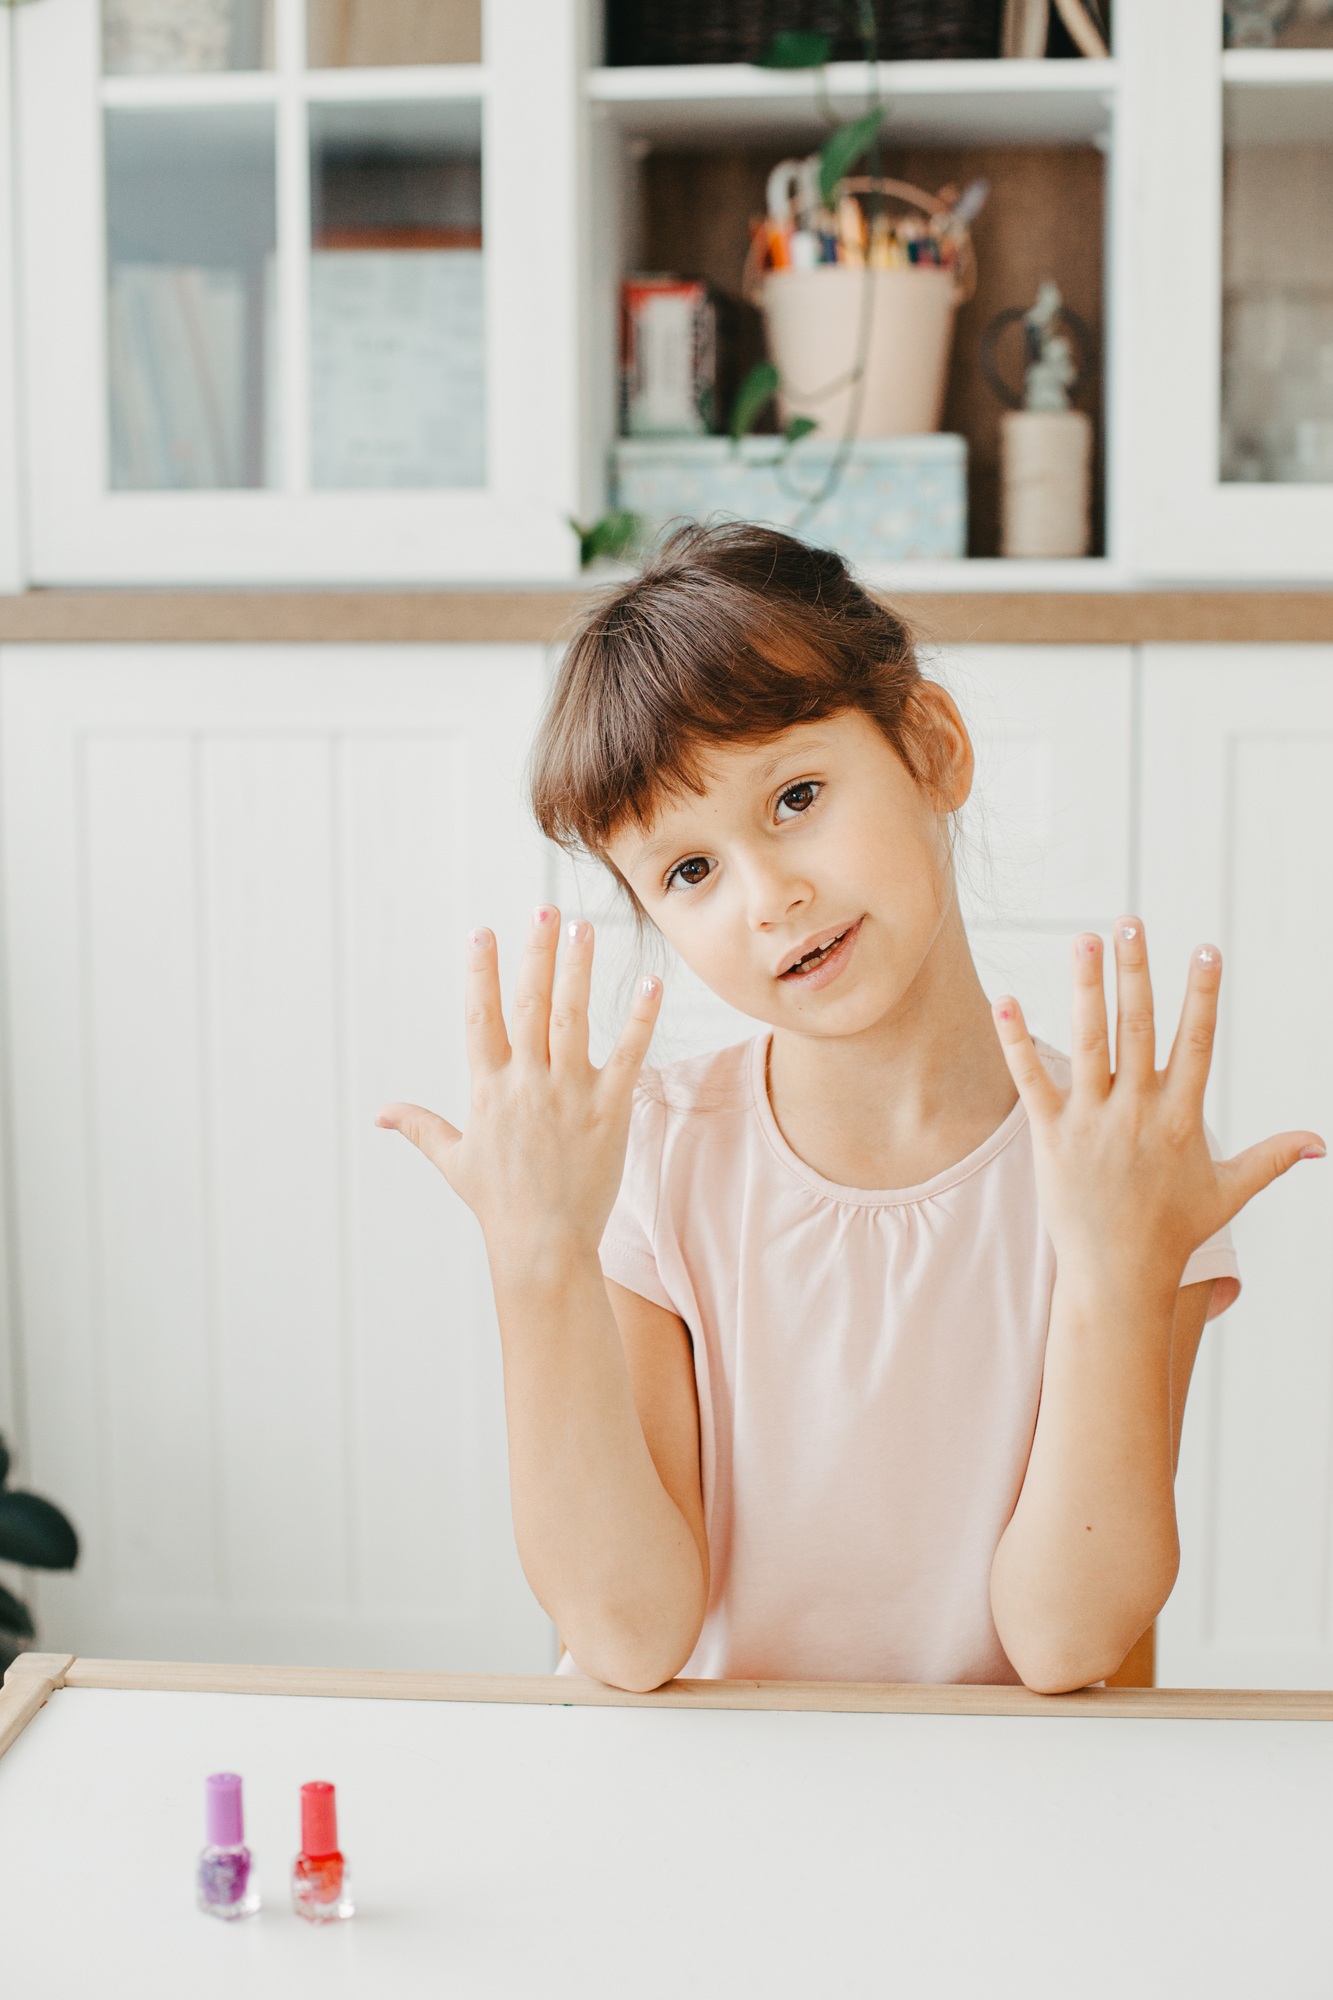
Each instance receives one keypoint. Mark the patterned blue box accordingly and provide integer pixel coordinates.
(897, 499)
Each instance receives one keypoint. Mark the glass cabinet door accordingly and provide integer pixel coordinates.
(1225, 430)
(267, 326)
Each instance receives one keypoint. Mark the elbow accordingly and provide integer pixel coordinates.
(1059, 1654)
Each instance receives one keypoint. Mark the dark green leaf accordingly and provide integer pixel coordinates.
(798, 428)
(842, 149)
(794, 49)
(4, 1461)
(611, 535)
(35, 1534)
(753, 397)
(15, 1616)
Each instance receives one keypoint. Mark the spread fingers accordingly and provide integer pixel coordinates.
(1192, 1050)
(1041, 1098)
(569, 1001)
(487, 1042)
(530, 1029)
(1090, 1049)
(1135, 1034)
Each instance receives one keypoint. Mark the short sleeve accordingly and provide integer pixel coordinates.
(1215, 1259)
(627, 1253)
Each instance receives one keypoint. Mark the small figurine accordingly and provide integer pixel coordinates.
(1045, 446)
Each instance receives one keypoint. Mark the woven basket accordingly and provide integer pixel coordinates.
(724, 31)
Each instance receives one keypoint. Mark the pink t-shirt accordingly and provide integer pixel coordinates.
(868, 1364)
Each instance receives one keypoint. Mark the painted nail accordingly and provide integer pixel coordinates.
(1314, 1152)
(1127, 932)
(650, 986)
(577, 931)
(478, 938)
(1005, 1011)
(1207, 955)
(1087, 945)
(542, 914)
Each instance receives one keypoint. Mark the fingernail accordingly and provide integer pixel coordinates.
(1005, 1011)
(542, 914)
(478, 938)
(1127, 932)
(1207, 955)
(1314, 1153)
(650, 986)
(1087, 945)
(578, 930)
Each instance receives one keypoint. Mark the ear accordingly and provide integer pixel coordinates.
(943, 746)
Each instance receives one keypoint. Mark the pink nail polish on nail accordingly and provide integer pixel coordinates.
(577, 932)
(541, 915)
(1005, 1013)
(477, 938)
(649, 987)
(1088, 946)
(1314, 1153)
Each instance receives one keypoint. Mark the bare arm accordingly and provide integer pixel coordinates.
(606, 1528)
(1128, 1190)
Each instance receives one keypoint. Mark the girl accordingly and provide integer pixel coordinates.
(860, 1351)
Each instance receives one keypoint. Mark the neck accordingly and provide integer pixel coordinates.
(905, 1099)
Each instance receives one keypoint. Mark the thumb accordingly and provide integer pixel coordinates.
(1254, 1169)
(430, 1134)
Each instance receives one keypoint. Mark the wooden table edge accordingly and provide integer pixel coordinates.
(34, 1677)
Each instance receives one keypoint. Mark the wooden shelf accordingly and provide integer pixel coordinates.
(538, 617)
(974, 103)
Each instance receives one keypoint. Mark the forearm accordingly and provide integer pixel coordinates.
(1091, 1552)
(605, 1548)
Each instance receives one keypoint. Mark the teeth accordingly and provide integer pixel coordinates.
(820, 953)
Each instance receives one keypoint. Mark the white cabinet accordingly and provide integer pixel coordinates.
(298, 323)
(1225, 220)
(259, 1356)
(1237, 845)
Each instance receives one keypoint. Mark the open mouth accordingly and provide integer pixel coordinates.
(822, 954)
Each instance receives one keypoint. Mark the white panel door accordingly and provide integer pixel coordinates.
(1044, 847)
(259, 1355)
(1237, 846)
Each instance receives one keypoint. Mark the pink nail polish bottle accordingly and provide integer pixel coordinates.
(320, 1882)
(226, 1873)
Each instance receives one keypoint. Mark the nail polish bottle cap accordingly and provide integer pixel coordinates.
(319, 1819)
(223, 1821)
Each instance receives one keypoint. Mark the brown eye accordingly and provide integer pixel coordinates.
(798, 798)
(689, 874)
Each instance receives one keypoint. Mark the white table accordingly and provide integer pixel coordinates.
(533, 1839)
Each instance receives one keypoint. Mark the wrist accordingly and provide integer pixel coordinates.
(547, 1261)
(1089, 1291)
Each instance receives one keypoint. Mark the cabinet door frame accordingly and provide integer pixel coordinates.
(1250, 1608)
(516, 525)
(1172, 515)
(216, 1297)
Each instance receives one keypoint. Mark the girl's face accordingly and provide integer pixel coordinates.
(810, 880)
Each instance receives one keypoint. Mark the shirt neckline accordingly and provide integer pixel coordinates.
(854, 1197)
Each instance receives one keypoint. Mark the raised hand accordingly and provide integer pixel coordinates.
(540, 1159)
(1125, 1178)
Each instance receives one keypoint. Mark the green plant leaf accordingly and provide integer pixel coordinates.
(611, 534)
(798, 428)
(842, 149)
(15, 1616)
(792, 48)
(752, 398)
(35, 1534)
(4, 1461)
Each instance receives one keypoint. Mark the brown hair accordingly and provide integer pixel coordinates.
(729, 635)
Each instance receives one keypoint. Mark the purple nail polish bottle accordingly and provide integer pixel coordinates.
(226, 1885)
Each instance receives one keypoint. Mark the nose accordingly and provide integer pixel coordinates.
(774, 892)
